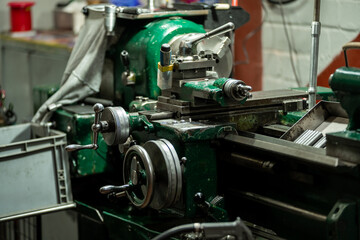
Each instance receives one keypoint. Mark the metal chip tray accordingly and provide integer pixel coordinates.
(34, 171)
(311, 129)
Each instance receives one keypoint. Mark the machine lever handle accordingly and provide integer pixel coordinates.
(96, 128)
(188, 45)
(75, 147)
(111, 188)
(125, 59)
(217, 31)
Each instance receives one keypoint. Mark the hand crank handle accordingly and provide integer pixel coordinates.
(217, 31)
(188, 45)
(96, 128)
(75, 147)
(111, 188)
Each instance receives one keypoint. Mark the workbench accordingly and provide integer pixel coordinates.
(26, 62)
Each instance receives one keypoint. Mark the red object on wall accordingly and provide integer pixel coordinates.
(20, 15)
(339, 61)
(251, 72)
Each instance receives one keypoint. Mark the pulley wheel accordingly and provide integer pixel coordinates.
(168, 181)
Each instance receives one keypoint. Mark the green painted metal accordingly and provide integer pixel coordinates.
(200, 174)
(220, 82)
(139, 122)
(77, 127)
(310, 188)
(143, 42)
(41, 93)
(119, 225)
(348, 141)
(291, 118)
(354, 135)
(219, 214)
(142, 105)
(127, 222)
(345, 82)
(325, 93)
(346, 79)
(296, 185)
(193, 141)
(342, 221)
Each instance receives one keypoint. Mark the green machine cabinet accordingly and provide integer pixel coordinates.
(345, 83)
(76, 121)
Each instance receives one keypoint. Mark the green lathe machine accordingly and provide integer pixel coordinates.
(178, 144)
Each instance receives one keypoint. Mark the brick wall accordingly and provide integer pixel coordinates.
(340, 21)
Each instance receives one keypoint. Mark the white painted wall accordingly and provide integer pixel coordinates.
(42, 14)
(340, 24)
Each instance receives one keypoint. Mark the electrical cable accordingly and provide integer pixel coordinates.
(257, 29)
(250, 35)
(175, 231)
(289, 43)
(281, 1)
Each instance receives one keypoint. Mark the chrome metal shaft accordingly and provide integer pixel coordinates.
(315, 37)
(151, 5)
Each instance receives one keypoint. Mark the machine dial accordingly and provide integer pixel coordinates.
(138, 171)
(152, 175)
(112, 122)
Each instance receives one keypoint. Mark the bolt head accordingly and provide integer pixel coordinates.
(68, 128)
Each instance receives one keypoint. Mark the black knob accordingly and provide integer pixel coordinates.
(165, 47)
(199, 198)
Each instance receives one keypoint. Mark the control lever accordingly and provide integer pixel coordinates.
(217, 31)
(115, 192)
(111, 188)
(135, 180)
(96, 128)
(189, 44)
(128, 77)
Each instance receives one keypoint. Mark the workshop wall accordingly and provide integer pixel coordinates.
(42, 14)
(248, 65)
(340, 24)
